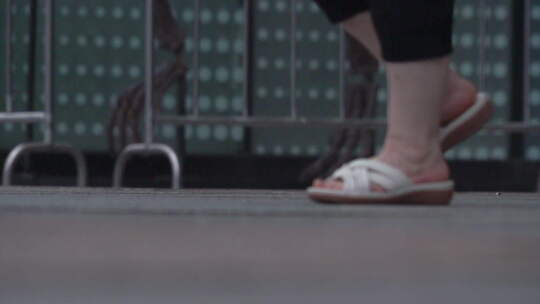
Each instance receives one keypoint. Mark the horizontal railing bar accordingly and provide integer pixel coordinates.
(318, 122)
(514, 127)
(269, 121)
(23, 117)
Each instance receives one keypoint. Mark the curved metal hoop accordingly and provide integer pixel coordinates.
(147, 149)
(21, 149)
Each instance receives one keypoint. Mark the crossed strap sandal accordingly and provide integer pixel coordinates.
(359, 176)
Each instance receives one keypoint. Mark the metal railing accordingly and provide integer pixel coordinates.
(245, 119)
(44, 117)
(294, 119)
(149, 146)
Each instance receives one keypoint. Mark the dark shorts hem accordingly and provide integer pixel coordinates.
(409, 30)
(424, 47)
(339, 11)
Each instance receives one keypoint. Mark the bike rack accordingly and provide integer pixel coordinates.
(46, 116)
(148, 147)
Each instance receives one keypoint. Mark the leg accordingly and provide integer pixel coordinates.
(462, 92)
(419, 81)
(412, 139)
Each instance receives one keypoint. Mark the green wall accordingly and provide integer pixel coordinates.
(99, 52)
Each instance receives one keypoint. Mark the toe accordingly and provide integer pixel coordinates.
(336, 185)
(328, 184)
(318, 182)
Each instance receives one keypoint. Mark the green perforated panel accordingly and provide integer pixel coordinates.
(100, 52)
(533, 140)
(317, 75)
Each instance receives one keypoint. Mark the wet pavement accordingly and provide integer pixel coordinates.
(62, 245)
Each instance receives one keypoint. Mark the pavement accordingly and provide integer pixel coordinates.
(69, 245)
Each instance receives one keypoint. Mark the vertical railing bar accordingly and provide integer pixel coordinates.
(248, 71)
(482, 15)
(527, 61)
(32, 63)
(342, 55)
(248, 23)
(149, 73)
(9, 101)
(49, 62)
(294, 105)
(196, 60)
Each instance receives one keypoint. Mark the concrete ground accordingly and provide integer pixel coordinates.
(60, 245)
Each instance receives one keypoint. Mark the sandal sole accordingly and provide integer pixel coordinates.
(424, 198)
(437, 193)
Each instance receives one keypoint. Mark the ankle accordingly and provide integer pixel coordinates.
(421, 140)
(411, 154)
(422, 164)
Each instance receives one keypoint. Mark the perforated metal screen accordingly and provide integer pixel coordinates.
(533, 140)
(100, 52)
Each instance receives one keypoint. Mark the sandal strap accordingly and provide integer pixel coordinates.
(358, 176)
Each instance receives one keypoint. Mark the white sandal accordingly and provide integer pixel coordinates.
(358, 175)
(468, 123)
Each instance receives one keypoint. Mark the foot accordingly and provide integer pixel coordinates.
(427, 168)
(419, 167)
